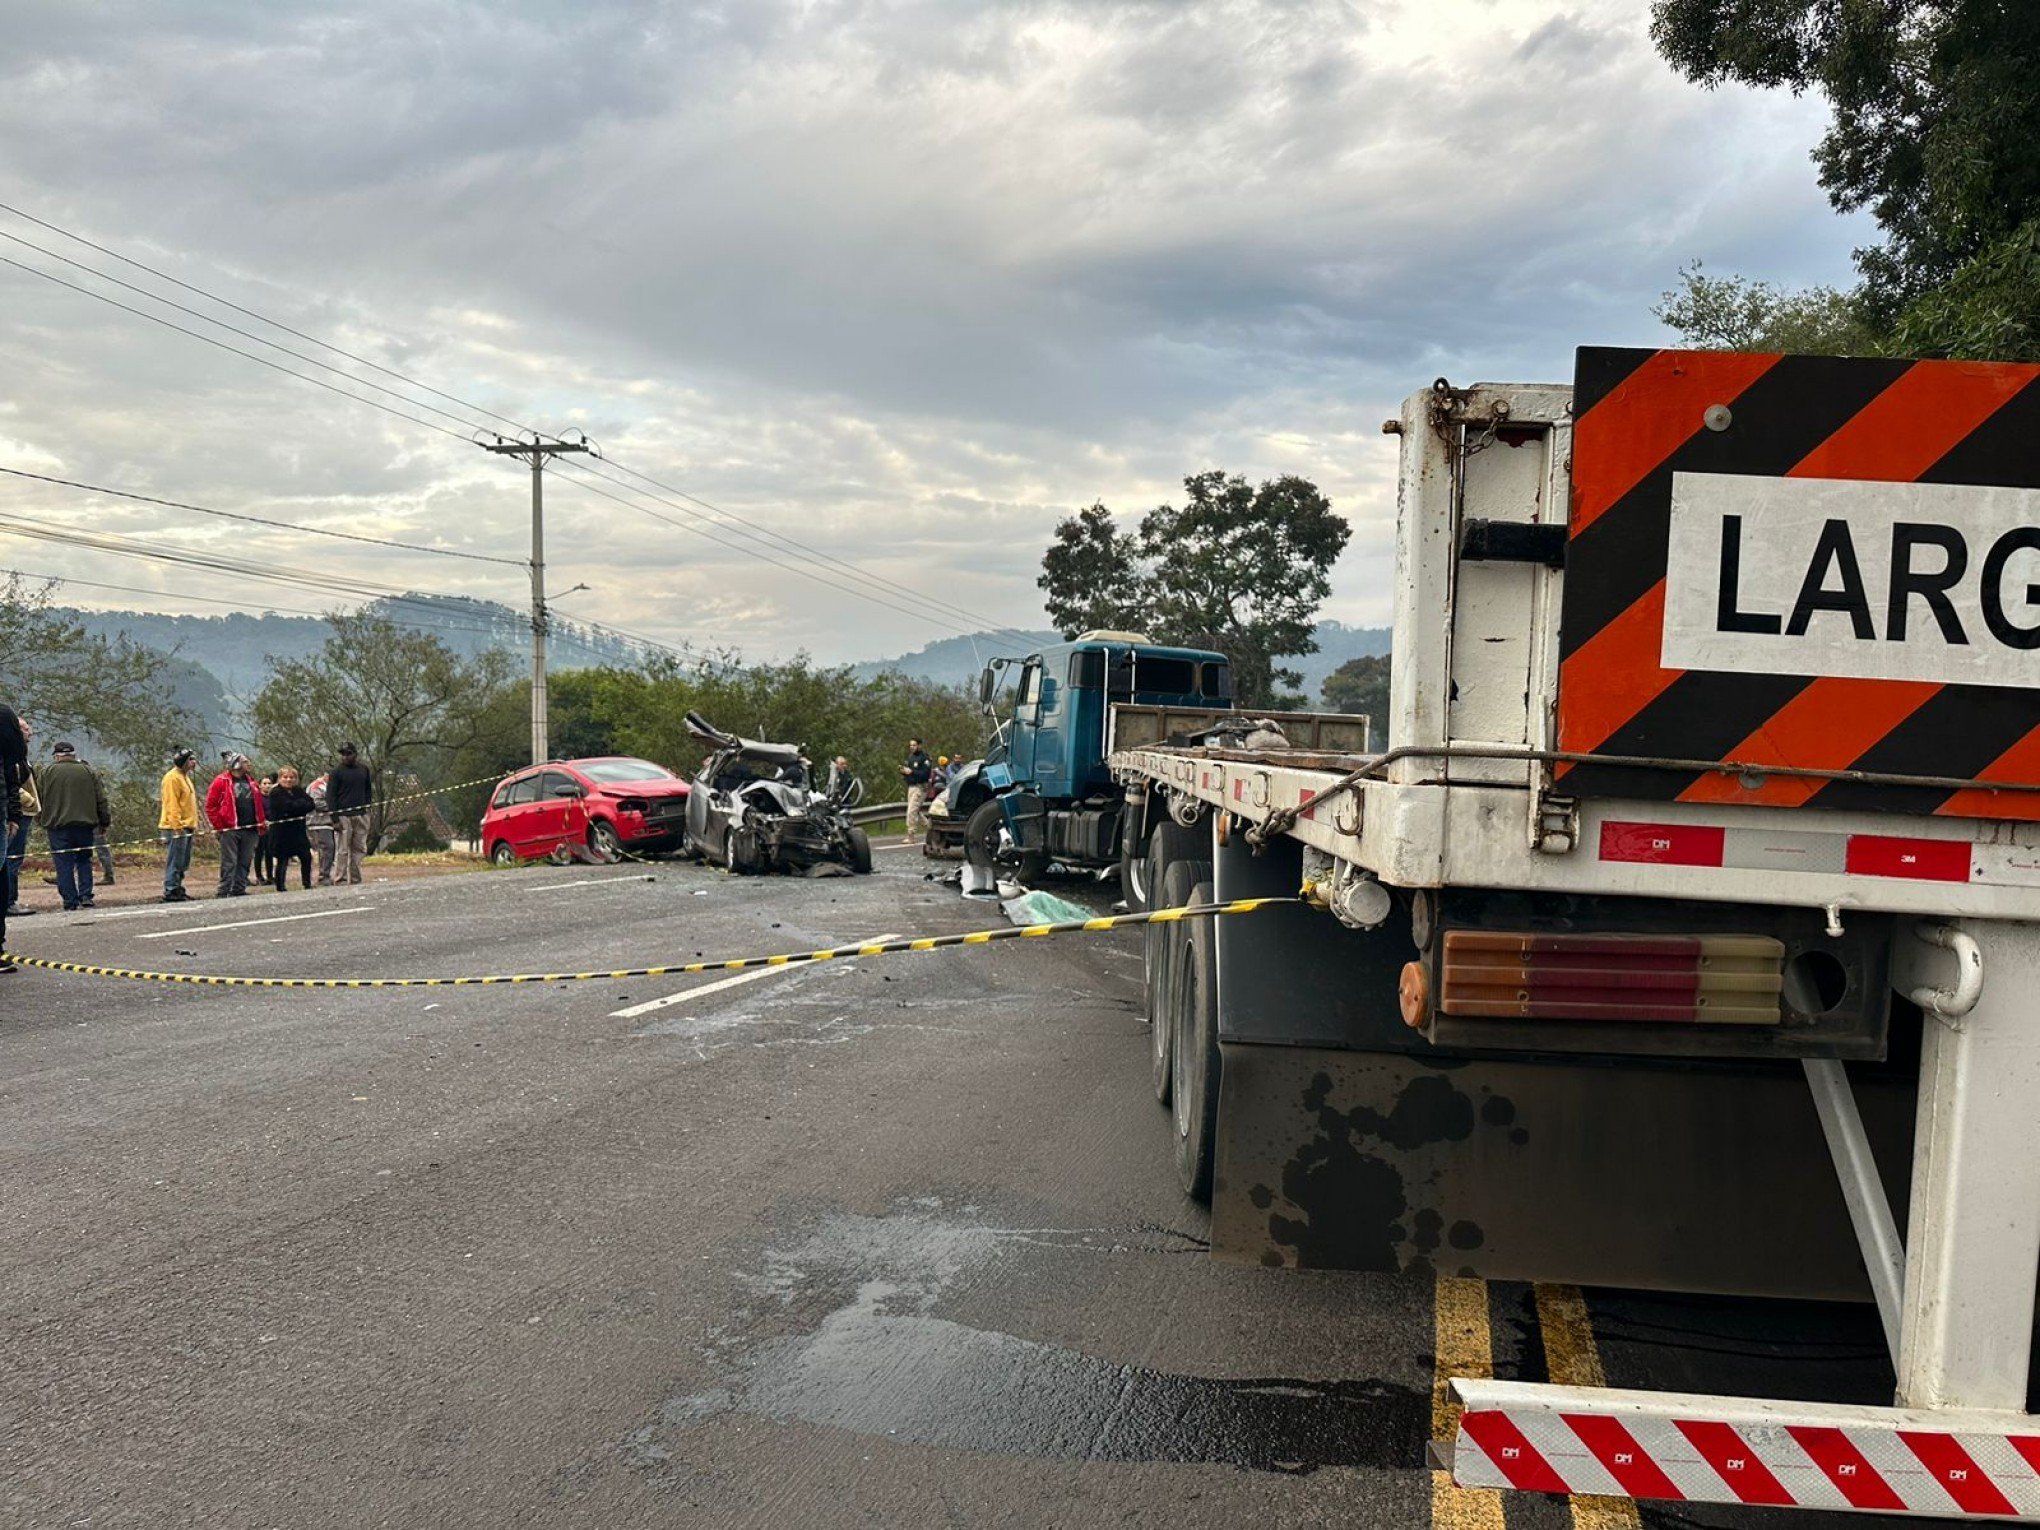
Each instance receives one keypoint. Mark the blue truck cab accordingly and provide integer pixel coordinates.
(1044, 791)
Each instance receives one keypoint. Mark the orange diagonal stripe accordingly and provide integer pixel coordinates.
(1916, 421)
(1614, 675)
(1647, 417)
(2021, 762)
(1827, 726)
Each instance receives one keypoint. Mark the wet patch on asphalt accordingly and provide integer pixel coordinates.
(879, 1359)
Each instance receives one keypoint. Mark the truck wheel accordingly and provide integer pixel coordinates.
(1193, 1003)
(860, 850)
(981, 841)
(1159, 946)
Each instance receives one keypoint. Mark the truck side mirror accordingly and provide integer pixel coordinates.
(985, 683)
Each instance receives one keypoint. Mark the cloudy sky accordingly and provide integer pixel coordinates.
(902, 283)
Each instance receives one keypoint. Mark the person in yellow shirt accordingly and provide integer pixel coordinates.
(179, 822)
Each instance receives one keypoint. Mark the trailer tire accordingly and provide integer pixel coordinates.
(1173, 887)
(1193, 1003)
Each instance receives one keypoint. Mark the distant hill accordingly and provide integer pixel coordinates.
(956, 661)
(239, 651)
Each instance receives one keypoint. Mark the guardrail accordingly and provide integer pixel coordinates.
(878, 812)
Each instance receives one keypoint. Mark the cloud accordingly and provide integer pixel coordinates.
(904, 282)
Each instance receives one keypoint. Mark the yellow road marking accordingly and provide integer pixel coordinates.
(1464, 1347)
(1572, 1360)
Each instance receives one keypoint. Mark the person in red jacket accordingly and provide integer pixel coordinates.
(234, 807)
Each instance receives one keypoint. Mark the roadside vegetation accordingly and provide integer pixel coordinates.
(1936, 133)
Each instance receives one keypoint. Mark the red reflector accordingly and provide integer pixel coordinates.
(1662, 844)
(1921, 860)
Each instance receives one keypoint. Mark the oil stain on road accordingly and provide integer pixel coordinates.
(882, 1363)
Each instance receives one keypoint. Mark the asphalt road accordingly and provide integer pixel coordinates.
(888, 1242)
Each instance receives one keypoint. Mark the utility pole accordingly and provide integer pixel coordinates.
(536, 452)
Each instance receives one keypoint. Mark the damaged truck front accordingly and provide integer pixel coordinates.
(1701, 866)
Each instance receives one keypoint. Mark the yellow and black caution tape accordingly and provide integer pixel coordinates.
(678, 969)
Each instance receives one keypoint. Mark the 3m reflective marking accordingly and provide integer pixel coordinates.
(1661, 844)
(1917, 860)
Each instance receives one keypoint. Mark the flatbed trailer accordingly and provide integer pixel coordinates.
(1685, 936)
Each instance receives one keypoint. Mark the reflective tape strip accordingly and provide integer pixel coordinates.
(1891, 1469)
(737, 964)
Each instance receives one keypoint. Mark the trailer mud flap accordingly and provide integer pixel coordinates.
(1588, 1172)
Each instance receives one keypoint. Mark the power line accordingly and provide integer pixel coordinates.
(50, 276)
(812, 553)
(234, 329)
(235, 515)
(752, 530)
(919, 616)
(214, 297)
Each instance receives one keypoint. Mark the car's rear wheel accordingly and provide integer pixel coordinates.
(740, 852)
(500, 854)
(860, 850)
(604, 843)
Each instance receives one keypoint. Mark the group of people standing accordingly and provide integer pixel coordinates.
(264, 826)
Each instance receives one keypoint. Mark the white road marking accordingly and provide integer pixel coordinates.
(244, 924)
(583, 882)
(737, 980)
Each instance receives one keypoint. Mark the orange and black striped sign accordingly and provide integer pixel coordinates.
(1798, 561)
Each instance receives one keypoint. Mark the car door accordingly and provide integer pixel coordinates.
(554, 813)
(520, 797)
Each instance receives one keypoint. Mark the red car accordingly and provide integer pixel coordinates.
(601, 807)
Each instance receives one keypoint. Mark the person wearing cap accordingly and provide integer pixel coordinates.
(73, 808)
(350, 793)
(178, 821)
(234, 807)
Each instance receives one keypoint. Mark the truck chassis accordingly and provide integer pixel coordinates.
(1705, 1159)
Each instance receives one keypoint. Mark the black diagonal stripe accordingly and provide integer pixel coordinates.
(2004, 449)
(1702, 715)
(1598, 370)
(1778, 419)
(1956, 732)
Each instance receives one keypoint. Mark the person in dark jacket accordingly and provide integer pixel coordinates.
(290, 836)
(13, 771)
(73, 811)
(349, 795)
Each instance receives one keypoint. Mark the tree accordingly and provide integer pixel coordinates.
(1092, 575)
(410, 702)
(1733, 313)
(1936, 131)
(1234, 567)
(1359, 687)
(109, 693)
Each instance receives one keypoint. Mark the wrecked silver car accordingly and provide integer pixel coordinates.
(753, 807)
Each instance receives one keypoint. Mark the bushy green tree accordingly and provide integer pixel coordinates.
(1233, 567)
(114, 697)
(1936, 132)
(411, 704)
(1359, 687)
(1733, 313)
